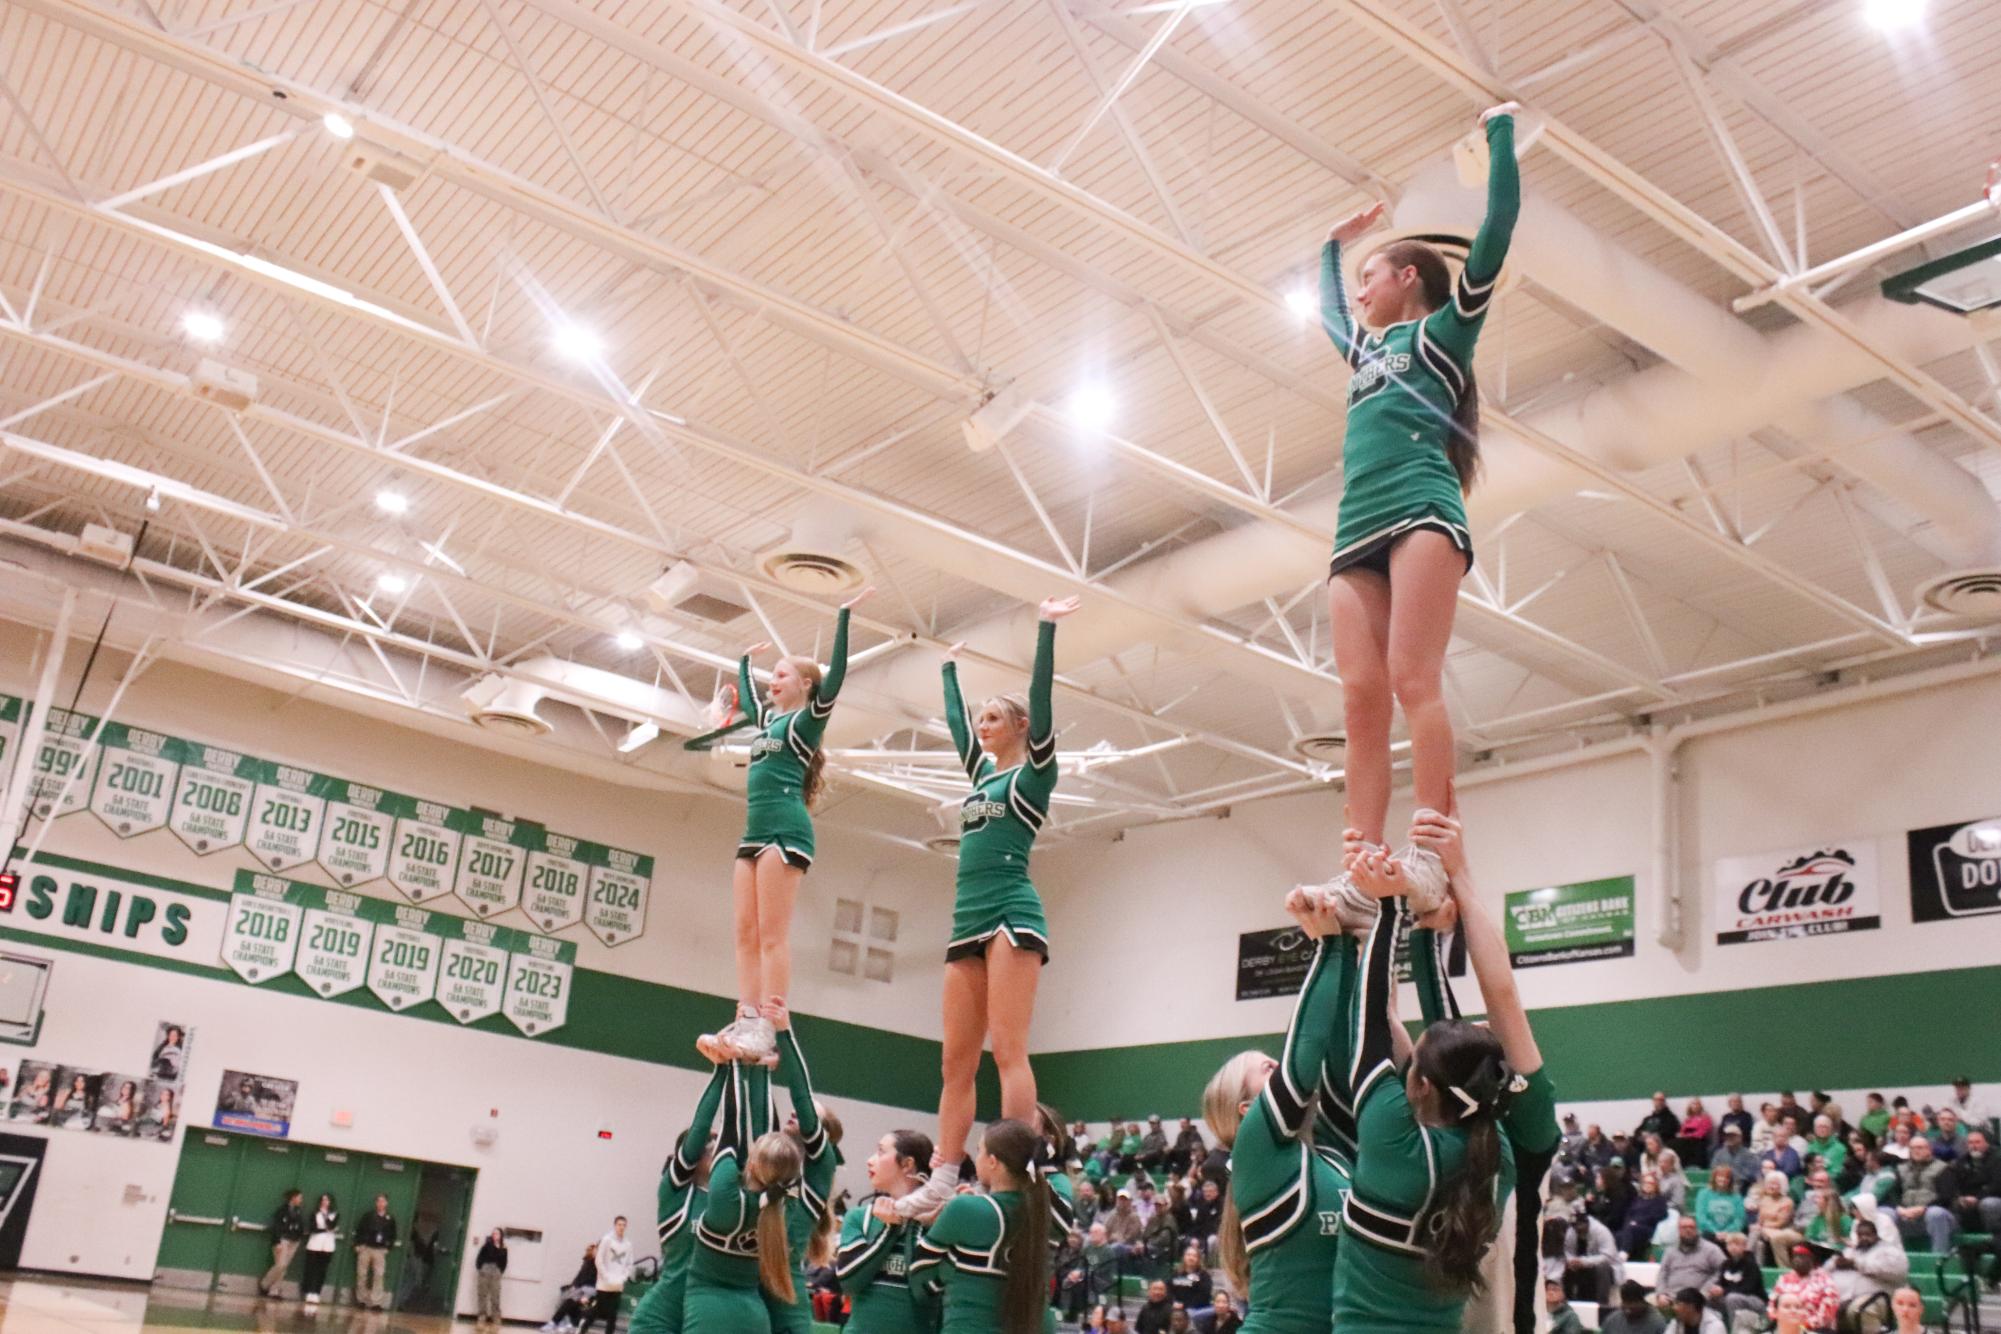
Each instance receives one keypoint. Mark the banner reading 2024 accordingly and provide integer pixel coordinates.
(407, 957)
(289, 818)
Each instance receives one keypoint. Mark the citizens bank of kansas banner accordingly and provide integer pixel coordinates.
(1824, 890)
(1955, 870)
(1592, 919)
(301, 823)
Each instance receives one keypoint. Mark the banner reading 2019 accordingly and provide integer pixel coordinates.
(292, 820)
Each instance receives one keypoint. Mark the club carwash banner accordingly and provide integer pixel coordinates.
(1592, 919)
(1825, 890)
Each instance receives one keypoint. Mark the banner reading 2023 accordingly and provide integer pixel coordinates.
(407, 957)
(290, 818)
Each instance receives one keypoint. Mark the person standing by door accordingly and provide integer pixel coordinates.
(374, 1235)
(288, 1229)
(490, 1264)
(320, 1244)
(413, 1293)
(614, 1267)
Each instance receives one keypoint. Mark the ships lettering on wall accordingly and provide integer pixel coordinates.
(295, 821)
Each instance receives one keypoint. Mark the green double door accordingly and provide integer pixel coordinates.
(228, 1187)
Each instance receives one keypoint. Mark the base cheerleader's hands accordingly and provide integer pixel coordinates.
(1055, 609)
(1351, 228)
(1444, 835)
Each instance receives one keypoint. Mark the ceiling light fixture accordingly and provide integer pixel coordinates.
(1092, 407)
(153, 501)
(392, 584)
(1893, 15)
(573, 342)
(1303, 302)
(392, 502)
(204, 326)
(630, 641)
(339, 126)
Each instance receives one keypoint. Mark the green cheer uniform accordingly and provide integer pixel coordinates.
(723, 1292)
(999, 819)
(964, 1255)
(874, 1265)
(816, 1187)
(780, 755)
(1408, 380)
(680, 1202)
(1287, 1190)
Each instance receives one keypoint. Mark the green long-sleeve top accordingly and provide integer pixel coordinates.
(1000, 817)
(1409, 378)
(874, 1266)
(725, 1251)
(785, 742)
(1529, 1120)
(816, 1186)
(1287, 1194)
(680, 1200)
(966, 1252)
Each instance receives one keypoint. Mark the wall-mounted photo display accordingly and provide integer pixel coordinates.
(171, 1045)
(121, 1104)
(255, 1104)
(1828, 889)
(161, 1111)
(294, 820)
(34, 1097)
(1955, 870)
(74, 1106)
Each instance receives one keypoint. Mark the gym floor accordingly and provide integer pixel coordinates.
(52, 1304)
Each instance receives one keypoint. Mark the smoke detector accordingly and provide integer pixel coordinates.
(498, 704)
(814, 559)
(1973, 594)
(1321, 747)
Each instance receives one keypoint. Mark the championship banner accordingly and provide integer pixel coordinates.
(62, 767)
(403, 969)
(338, 935)
(493, 861)
(426, 850)
(472, 976)
(1955, 870)
(212, 798)
(360, 830)
(10, 726)
(1592, 919)
(619, 886)
(1822, 891)
(557, 878)
(260, 937)
(538, 984)
(136, 776)
(291, 809)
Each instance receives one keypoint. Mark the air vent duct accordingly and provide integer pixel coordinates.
(1321, 747)
(1974, 594)
(815, 559)
(498, 704)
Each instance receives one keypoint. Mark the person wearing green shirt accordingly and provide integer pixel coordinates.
(1434, 1164)
(1000, 938)
(1826, 1141)
(1409, 455)
(1875, 1119)
(740, 1252)
(1719, 1209)
(776, 849)
(1280, 1229)
(809, 1219)
(1562, 1320)
(988, 1255)
(683, 1195)
(875, 1257)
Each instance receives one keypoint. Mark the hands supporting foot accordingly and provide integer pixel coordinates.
(752, 1036)
(1427, 872)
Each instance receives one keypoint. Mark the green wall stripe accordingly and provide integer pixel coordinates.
(1863, 1032)
(609, 1013)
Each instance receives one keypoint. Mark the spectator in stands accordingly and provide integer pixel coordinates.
(1898, 1147)
(1086, 1205)
(1188, 1147)
(1570, 1146)
(1866, 1272)
(1626, 1151)
(1612, 1196)
(1901, 1113)
(1689, 1315)
(1089, 1278)
(1129, 1146)
(1855, 1164)
(1825, 1105)
(1972, 1185)
(1948, 1136)
(1674, 1179)
(1921, 1212)
(1145, 1201)
(1770, 1207)
(1718, 1206)
(1562, 1320)
(1811, 1287)
(1177, 1204)
(1782, 1156)
(1827, 1143)
(1191, 1285)
(1066, 1267)
(1648, 1211)
(1821, 1216)
(1636, 1315)
(1216, 1167)
(1205, 1215)
(1697, 1132)
(1153, 1146)
(1651, 1148)
(1227, 1320)
(1153, 1316)
(1875, 1117)
(1659, 1120)
(1765, 1134)
(1692, 1262)
(1122, 1225)
(1735, 1115)
(1972, 1111)
(1597, 1150)
(1734, 1154)
(1879, 1174)
(1907, 1304)
(1161, 1236)
(1790, 1106)
(1590, 1265)
(1791, 1318)
(1740, 1284)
